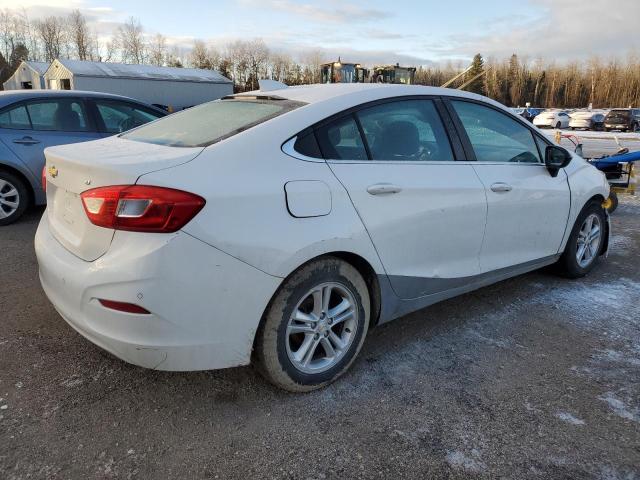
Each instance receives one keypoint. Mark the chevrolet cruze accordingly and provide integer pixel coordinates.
(277, 227)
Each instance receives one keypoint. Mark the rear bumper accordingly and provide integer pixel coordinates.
(205, 305)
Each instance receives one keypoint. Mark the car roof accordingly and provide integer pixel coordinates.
(318, 93)
(11, 96)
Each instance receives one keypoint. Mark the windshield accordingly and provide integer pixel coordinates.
(211, 122)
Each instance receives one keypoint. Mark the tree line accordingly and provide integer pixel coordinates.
(513, 81)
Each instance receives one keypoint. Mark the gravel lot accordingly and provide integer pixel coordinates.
(535, 377)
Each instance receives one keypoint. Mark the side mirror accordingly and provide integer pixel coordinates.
(556, 158)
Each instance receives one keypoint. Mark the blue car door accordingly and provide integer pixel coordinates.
(48, 122)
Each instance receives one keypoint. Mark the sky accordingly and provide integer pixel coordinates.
(414, 32)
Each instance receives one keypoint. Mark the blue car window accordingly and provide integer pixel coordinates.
(62, 115)
(15, 118)
(120, 117)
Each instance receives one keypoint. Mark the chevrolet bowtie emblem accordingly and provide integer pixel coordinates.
(53, 171)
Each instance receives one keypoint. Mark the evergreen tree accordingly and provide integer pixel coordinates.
(477, 68)
(5, 70)
(19, 53)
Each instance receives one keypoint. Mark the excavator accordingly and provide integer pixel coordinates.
(343, 72)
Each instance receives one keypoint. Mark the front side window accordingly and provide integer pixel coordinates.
(211, 122)
(62, 115)
(494, 136)
(119, 117)
(15, 118)
(341, 140)
(405, 130)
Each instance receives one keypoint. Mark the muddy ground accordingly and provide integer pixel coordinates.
(535, 377)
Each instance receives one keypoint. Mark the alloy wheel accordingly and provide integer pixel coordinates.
(9, 199)
(321, 328)
(589, 239)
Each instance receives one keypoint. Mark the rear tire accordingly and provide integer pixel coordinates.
(302, 327)
(584, 247)
(14, 198)
(558, 126)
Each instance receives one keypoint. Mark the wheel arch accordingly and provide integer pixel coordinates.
(595, 198)
(362, 265)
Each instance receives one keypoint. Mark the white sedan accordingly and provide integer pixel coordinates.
(552, 119)
(277, 227)
(588, 120)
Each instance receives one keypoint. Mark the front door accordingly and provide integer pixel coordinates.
(425, 212)
(528, 209)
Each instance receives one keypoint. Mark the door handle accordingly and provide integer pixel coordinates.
(26, 141)
(501, 187)
(383, 189)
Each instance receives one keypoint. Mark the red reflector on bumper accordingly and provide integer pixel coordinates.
(124, 307)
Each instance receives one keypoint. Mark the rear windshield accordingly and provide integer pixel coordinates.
(211, 122)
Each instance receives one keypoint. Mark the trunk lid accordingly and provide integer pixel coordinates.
(72, 169)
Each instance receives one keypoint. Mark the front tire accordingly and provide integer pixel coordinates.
(585, 242)
(314, 327)
(14, 198)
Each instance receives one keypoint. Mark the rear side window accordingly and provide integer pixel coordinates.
(15, 118)
(209, 123)
(62, 115)
(496, 137)
(119, 117)
(341, 140)
(407, 130)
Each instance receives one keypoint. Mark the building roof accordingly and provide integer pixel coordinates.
(149, 72)
(39, 67)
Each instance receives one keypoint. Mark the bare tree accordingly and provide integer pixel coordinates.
(130, 39)
(52, 35)
(79, 35)
(158, 50)
(199, 56)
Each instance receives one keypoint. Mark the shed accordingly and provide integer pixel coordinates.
(28, 76)
(177, 88)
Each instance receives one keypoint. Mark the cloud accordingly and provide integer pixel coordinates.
(570, 29)
(337, 12)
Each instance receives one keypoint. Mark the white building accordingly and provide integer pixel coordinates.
(177, 88)
(28, 75)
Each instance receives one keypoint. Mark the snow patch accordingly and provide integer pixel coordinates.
(71, 382)
(459, 460)
(567, 417)
(620, 408)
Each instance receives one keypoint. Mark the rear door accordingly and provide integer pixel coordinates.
(425, 211)
(48, 122)
(528, 208)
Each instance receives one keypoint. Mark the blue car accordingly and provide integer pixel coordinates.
(32, 120)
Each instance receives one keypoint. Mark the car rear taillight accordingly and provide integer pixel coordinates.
(43, 178)
(141, 208)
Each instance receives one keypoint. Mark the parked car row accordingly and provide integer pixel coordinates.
(32, 120)
(622, 119)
